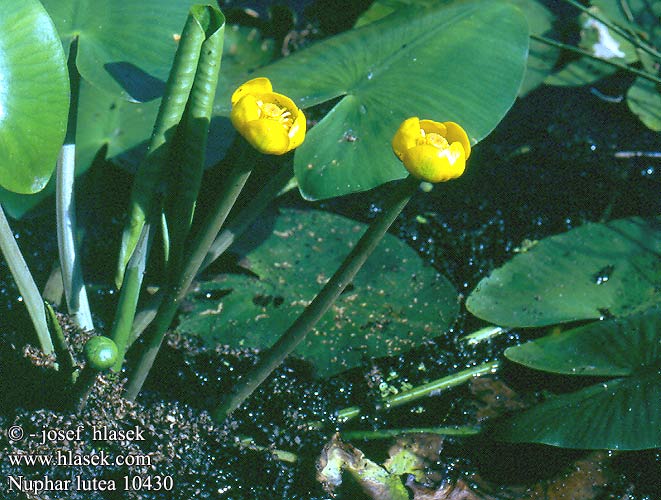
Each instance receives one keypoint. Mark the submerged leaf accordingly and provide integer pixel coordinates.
(394, 303)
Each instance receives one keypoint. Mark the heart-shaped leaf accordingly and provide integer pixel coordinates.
(541, 57)
(34, 96)
(125, 48)
(394, 303)
(461, 62)
(596, 270)
(613, 348)
(104, 120)
(620, 414)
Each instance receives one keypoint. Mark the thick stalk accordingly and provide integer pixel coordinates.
(25, 283)
(129, 294)
(248, 214)
(177, 290)
(234, 228)
(65, 211)
(273, 357)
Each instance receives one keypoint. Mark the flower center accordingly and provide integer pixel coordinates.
(433, 139)
(272, 111)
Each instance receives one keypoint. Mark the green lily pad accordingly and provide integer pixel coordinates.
(104, 120)
(463, 62)
(611, 348)
(644, 100)
(34, 96)
(596, 270)
(619, 414)
(541, 57)
(395, 302)
(125, 47)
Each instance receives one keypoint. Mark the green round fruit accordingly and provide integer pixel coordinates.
(101, 352)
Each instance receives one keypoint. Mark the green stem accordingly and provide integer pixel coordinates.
(622, 32)
(176, 291)
(464, 430)
(424, 390)
(234, 228)
(237, 225)
(83, 388)
(148, 184)
(129, 294)
(585, 53)
(65, 210)
(65, 361)
(25, 283)
(571, 48)
(273, 357)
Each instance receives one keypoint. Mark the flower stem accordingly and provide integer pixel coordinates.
(423, 390)
(177, 288)
(25, 283)
(65, 210)
(237, 225)
(274, 356)
(234, 228)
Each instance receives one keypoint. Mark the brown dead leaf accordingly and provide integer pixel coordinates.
(447, 491)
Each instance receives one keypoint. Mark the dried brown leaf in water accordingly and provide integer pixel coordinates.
(375, 481)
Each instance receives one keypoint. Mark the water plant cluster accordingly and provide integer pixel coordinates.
(195, 108)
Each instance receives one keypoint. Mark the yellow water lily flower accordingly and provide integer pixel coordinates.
(270, 122)
(432, 151)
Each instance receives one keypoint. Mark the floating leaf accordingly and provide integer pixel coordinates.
(620, 414)
(593, 271)
(34, 96)
(122, 50)
(462, 62)
(394, 303)
(541, 57)
(105, 120)
(617, 347)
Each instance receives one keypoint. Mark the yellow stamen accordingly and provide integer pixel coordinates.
(274, 112)
(433, 139)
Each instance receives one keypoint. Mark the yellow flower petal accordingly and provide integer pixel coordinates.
(259, 85)
(267, 136)
(456, 133)
(430, 126)
(406, 136)
(297, 130)
(431, 164)
(244, 111)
